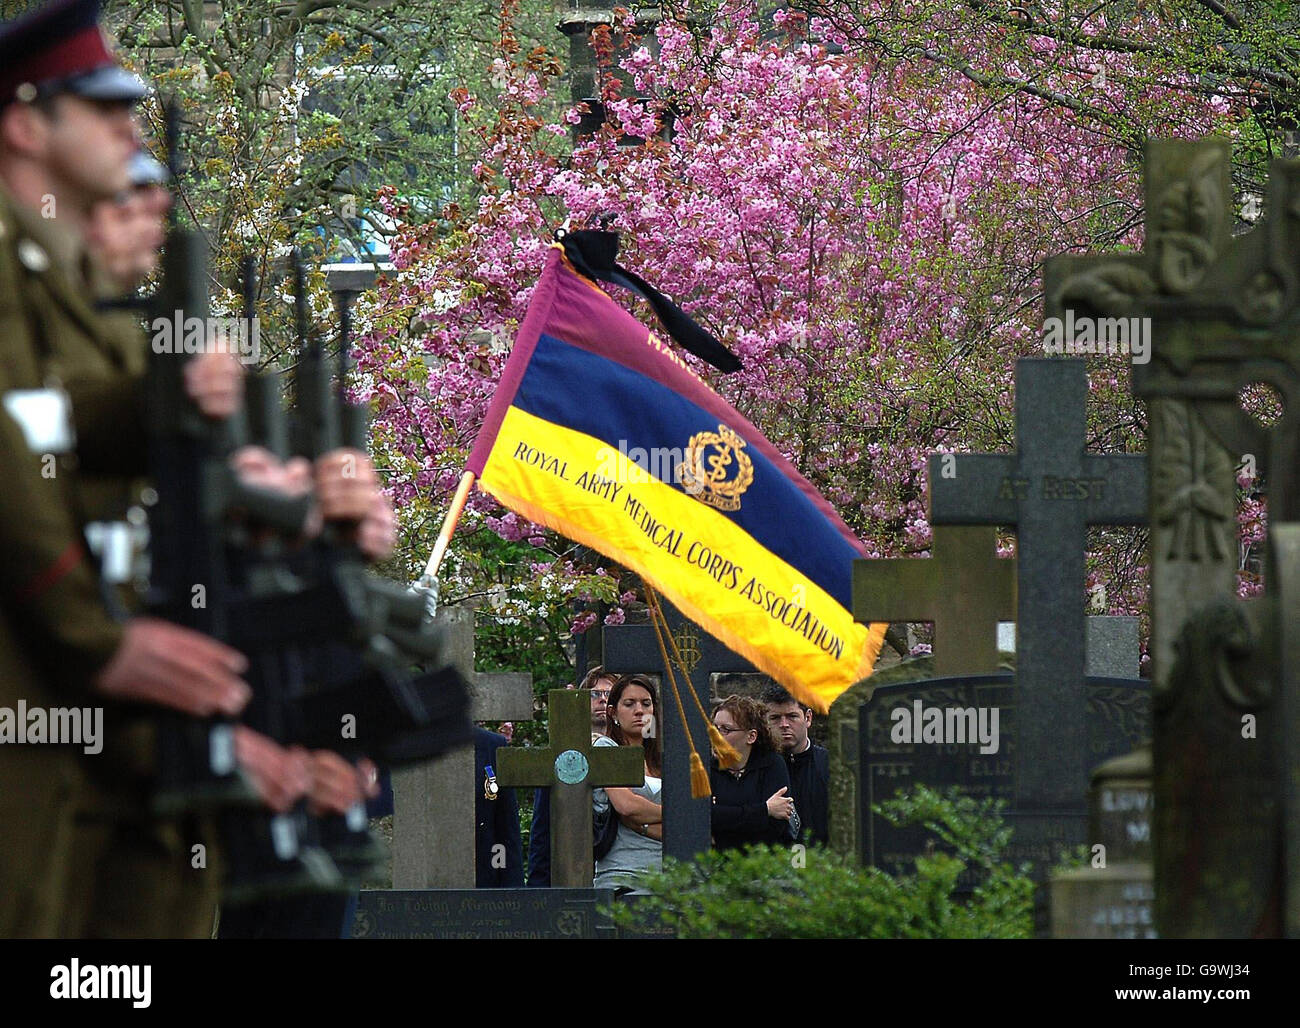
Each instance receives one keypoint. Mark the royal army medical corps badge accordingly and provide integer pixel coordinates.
(716, 470)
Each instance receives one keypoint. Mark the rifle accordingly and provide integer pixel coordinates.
(322, 634)
(194, 582)
(395, 715)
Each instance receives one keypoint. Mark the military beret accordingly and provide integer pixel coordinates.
(145, 171)
(60, 48)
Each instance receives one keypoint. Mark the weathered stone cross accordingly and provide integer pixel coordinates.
(1050, 490)
(433, 803)
(571, 767)
(963, 589)
(1219, 313)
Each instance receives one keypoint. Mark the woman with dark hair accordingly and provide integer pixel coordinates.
(633, 720)
(750, 801)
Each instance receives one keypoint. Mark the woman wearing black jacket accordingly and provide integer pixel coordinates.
(750, 801)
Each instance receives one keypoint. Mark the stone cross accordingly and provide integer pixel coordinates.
(1114, 647)
(1219, 314)
(633, 648)
(433, 803)
(1050, 491)
(963, 589)
(570, 767)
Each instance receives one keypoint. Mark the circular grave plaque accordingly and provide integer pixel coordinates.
(571, 767)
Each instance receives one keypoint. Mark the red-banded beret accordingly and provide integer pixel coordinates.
(60, 48)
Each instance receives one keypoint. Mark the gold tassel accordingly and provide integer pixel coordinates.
(699, 778)
(723, 750)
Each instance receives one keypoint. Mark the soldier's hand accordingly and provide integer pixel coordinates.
(377, 533)
(336, 784)
(162, 663)
(281, 776)
(346, 484)
(215, 382)
(260, 467)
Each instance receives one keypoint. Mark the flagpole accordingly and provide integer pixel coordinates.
(429, 579)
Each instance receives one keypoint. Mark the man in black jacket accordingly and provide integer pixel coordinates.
(809, 764)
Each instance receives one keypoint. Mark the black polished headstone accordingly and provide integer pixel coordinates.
(1115, 716)
(484, 914)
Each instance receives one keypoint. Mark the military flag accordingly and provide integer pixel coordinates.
(600, 431)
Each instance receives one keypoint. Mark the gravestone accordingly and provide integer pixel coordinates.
(356, 277)
(1220, 313)
(1113, 646)
(1115, 718)
(484, 914)
(630, 649)
(1112, 652)
(433, 803)
(570, 767)
(964, 590)
(1050, 490)
(1113, 896)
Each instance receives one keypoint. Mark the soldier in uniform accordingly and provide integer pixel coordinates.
(66, 140)
(72, 428)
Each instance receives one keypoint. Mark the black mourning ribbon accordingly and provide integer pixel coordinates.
(592, 253)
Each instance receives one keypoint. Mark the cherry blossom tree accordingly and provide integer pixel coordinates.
(865, 230)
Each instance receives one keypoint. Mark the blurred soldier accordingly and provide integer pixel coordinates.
(73, 426)
(125, 233)
(66, 142)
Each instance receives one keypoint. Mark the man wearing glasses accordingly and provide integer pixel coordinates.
(809, 764)
(600, 684)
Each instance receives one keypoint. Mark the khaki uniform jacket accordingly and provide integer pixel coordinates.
(56, 632)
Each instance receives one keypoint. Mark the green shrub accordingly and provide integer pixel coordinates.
(773, 892)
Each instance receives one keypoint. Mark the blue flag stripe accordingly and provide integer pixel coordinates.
(569, 386)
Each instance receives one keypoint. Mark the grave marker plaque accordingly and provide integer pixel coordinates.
(1115, 717)
(1113, 895)
(484, 914)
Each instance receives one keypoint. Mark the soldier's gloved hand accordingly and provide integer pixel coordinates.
(336, 784)
(377, 533)
(215, 382)
(260, 467)
(346, 484)
(162, 663)
(281, 776)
